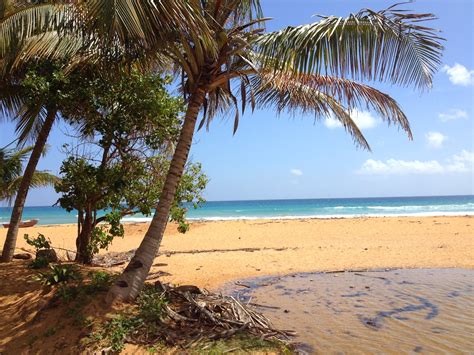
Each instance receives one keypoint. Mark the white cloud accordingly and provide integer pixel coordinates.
(296, 172)
(452, 114)
(460, 163)
(435, 139)
(459, 74)
(393, 166)
(363, 120)
(331, 123)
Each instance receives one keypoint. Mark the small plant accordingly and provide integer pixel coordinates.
(151, 303)
(100, 280)
(67, 293)
(39, 263)
(117, 329)
(40, 242)
(58, 274)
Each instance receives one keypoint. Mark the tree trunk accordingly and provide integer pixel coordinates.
(17, 212)
(83, 254)
(129, 284)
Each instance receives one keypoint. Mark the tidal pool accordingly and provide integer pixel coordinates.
(396, 311)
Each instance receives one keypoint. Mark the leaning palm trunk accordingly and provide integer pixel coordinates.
(129, 284)
(17, 212)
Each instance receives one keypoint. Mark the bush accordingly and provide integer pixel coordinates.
(100, 280)
(67, 293)
(40, 242)
(58, 274)
(116, 330)
(150, 304)
(39, 263)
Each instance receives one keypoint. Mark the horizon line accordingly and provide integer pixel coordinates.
(306, 198)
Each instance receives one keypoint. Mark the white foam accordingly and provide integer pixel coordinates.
(136, 219)
(332, 216)
(463, 207)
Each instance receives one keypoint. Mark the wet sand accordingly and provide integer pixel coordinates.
(398, 311)
(280, 247)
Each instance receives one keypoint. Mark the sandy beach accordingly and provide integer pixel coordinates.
(212, 254)
(276, 247)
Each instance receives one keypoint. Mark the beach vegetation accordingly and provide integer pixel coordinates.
(39, 263)
(224, 61)
(129, 126)
(75, 35)
(212, 45)
(58, 274)
(40, 242)
(156, 313)
(316, 68)
(242, 343)
(31, 97)
(44, 253)
(11, 173)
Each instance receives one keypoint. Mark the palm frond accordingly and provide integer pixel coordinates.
(238, 11)
(52, 45)
(296, 98)
(388, 45)
(347, 92)
(11, 168)
(30, 21)
(43, 178)
(112, 31)
(39, 179)
(11, 100)
(30, 119)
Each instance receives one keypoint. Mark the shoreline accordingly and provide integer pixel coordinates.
(147, 220)
(214, 252)
(250, 283)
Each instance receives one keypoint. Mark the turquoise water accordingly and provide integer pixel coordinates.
(280, 209)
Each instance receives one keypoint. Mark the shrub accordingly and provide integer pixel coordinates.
(39, 263)
(67, 293)
(117, 329)
(40, 242)
(150, 304)
(58, 274)
(100, 280)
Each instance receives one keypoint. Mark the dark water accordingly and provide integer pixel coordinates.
(399, 311)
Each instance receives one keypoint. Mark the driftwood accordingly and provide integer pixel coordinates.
(192, 316)
(120, 258)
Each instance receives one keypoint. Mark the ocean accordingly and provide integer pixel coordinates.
(288, 209)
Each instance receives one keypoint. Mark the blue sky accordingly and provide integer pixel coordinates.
(273, 157)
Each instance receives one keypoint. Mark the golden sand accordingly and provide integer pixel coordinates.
(247, 249)
(273, 247)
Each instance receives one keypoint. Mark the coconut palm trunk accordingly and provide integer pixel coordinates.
(129, 284)
(17, 212)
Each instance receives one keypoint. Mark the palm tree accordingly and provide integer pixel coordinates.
(11, 168)
(68, 31)
(34, 122)
(315, 68)
(310, 68)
